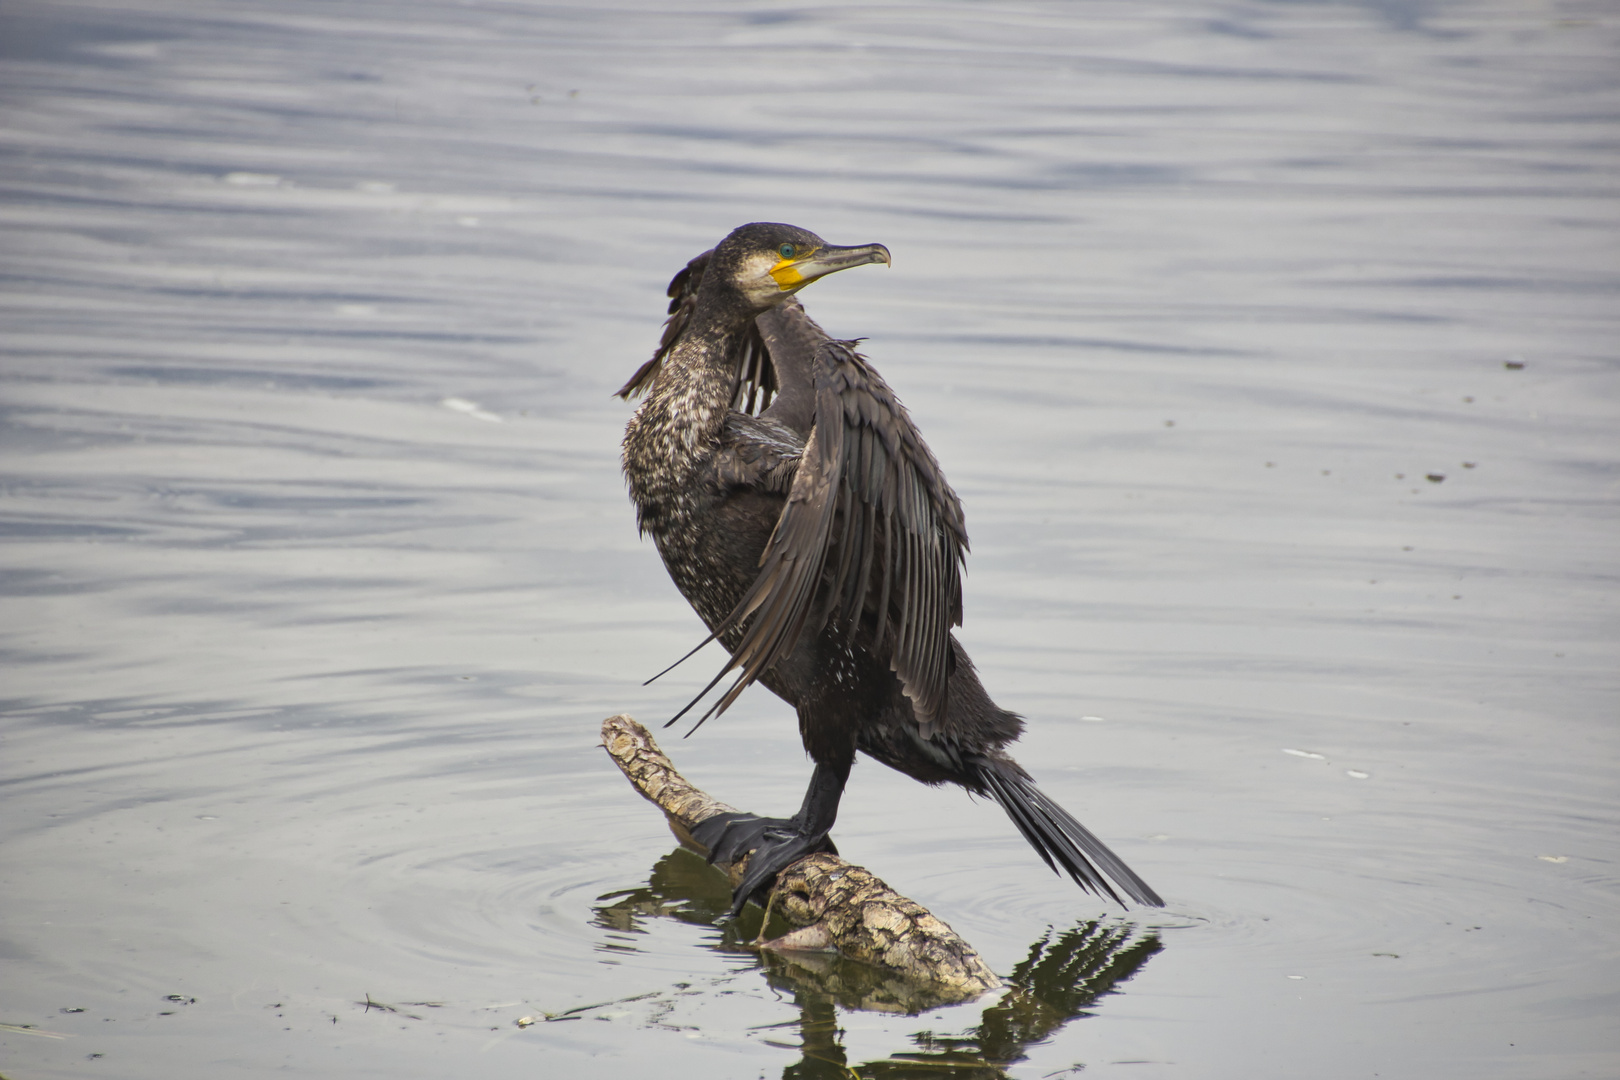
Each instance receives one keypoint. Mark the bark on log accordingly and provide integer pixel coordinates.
(835, 905)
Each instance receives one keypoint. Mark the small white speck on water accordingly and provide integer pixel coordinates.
(471, 408)
(1304, 754)
(1357, 774)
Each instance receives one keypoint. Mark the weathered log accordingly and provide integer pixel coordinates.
(834, 905)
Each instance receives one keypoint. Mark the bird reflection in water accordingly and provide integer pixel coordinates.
(1063, 975)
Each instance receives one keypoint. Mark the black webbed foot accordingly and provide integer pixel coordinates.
(731, 836)
(777, 843)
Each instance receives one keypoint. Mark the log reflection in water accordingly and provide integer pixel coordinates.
(1061, 978)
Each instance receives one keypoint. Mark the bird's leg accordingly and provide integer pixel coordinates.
(776, 843)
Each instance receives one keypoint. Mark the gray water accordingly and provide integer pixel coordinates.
(1274, 349)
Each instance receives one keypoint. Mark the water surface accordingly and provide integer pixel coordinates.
(1271, 348)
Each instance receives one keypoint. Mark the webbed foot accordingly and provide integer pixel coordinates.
(776, 843)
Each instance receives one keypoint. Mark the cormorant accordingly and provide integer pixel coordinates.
(798, 509)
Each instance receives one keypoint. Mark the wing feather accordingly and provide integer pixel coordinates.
(869, 512)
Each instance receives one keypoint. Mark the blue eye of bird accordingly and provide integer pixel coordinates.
(787, 251)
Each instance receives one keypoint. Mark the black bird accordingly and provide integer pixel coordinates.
(798, 509)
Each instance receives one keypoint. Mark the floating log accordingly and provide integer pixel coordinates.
(833, 905)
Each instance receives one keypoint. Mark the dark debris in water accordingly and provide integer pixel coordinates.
(399, 1010)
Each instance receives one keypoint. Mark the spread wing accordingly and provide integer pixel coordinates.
(755, 378)
(871, 540)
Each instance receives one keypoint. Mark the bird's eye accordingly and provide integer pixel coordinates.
(787, 251)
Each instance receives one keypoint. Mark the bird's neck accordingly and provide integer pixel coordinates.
(694, 387)
(699, 375)
(677, 429)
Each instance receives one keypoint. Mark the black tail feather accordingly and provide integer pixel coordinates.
(1057, 837)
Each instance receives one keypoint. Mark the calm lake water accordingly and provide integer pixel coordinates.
(1274, 349)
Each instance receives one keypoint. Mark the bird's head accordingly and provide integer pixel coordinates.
(767, 262)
